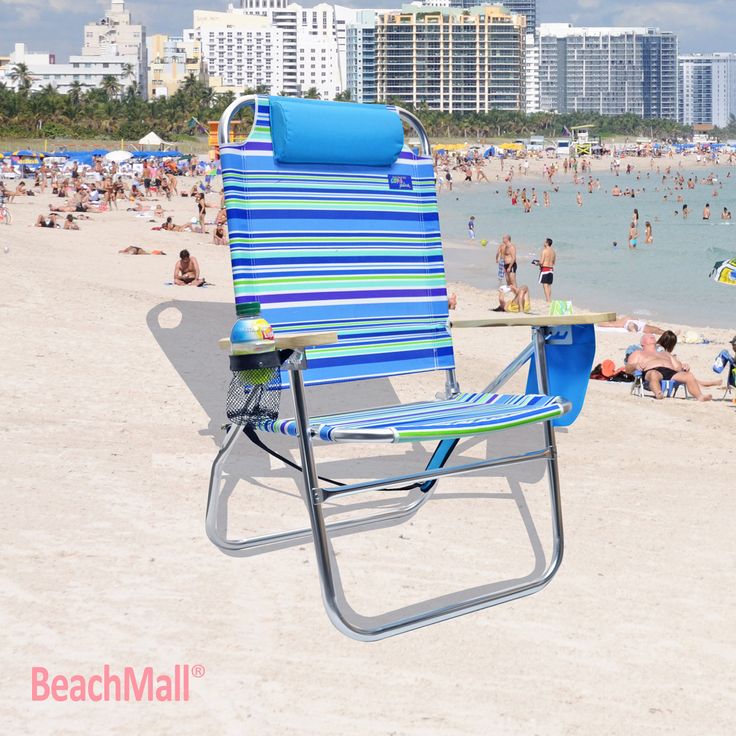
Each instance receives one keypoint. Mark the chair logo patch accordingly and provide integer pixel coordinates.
(399, 182)
(560, 335)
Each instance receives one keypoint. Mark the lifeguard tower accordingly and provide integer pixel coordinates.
(236, 136)
(582, 144)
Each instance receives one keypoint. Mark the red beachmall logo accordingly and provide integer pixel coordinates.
(127, 684)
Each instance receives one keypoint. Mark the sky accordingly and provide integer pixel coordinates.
(57, 26)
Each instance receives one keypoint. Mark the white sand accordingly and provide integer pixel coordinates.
(109, 427)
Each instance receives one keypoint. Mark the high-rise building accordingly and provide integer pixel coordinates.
(361, 57)
(282, 46)
(171, 59)
(116, 35)
(707, 88)
(531, 74)
(240, 51)
(609, 71)
(527, 8)
(452, 59)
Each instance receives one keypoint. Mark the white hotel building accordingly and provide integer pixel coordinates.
(280, 46)
(707, 88)
(111, 46)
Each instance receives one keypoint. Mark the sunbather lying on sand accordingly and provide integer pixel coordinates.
(171, 227)
(47, 220)
(134, 250)
(513, 299)
(633, 325)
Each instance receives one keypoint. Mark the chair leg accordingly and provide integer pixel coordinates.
(219, 537)
(381, 627)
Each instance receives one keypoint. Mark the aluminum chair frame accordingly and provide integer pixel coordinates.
(339, 612)
(669, 388)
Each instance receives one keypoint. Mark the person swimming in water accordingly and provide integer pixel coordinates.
(633, 235)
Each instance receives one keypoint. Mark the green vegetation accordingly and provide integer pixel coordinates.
(110, 111)
(116, 110)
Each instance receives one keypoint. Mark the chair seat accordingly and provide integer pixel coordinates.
(462, 416)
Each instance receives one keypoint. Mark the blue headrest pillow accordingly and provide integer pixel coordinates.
(317, 132)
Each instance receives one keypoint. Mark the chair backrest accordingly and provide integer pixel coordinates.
(333, 225)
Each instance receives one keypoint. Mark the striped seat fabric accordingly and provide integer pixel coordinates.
(462, 416)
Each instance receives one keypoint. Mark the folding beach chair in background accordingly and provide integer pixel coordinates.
(333, 228)
(725, 362)
(669, 388)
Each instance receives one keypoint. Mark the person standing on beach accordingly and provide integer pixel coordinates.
(706, 212)
(471, 227)
(509, 260)
(579, 199)
(648, 237)
(547, 260)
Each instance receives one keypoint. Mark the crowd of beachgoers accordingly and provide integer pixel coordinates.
(155, 190)
(80, 192)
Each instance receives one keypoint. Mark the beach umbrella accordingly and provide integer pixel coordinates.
(724, 272)
(118, 156)
(99, 151)
(24, 152)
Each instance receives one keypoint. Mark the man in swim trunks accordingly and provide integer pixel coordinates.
(546, 264)
(186, 271)
(662, 366)
(509, 260)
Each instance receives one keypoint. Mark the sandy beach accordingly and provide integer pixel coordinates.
(114, 392)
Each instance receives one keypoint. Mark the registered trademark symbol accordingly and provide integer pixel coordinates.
(198, 670)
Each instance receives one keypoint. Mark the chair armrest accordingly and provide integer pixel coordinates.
(294, 341)
(514, 319)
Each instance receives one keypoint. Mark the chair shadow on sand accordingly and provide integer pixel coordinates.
(187, 333)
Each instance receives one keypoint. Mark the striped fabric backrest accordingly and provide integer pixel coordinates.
(354, 249)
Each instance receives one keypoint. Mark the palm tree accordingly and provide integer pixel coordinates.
(132, 91)
(127, 70)
(191, 83)
(75, 92)
(208, 97)
(110, 86)
(312, 94)
(21, 77)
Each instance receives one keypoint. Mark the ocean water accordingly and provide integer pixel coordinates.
(666, 281)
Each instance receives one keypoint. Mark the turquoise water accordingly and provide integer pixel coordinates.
(667, 280)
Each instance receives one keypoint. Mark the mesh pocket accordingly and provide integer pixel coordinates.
(254, 394)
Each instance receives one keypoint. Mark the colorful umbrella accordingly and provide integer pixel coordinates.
(724, 272)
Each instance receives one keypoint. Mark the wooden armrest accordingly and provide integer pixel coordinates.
(294, 341)
(514, 319)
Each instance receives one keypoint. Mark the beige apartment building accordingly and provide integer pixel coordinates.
(452, 59)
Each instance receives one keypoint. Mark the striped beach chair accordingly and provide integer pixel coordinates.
(333, 227)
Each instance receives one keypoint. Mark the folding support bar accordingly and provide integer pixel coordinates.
(438, 473)
(218, 538)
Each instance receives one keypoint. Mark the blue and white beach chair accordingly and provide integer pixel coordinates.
(725, 362)
(669, 388)
(333, 227)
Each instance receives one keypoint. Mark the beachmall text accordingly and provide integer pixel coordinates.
(127, 685)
